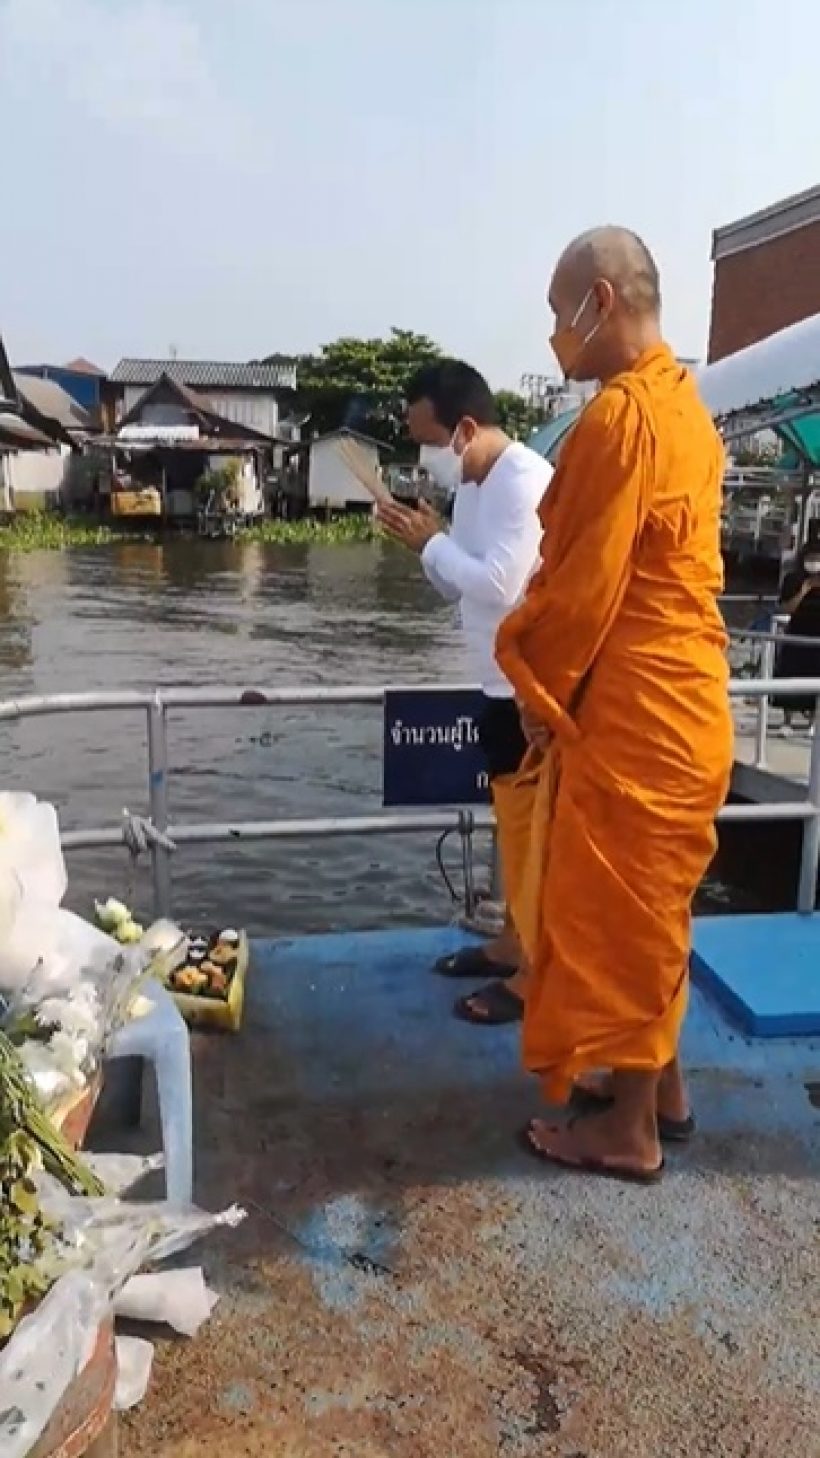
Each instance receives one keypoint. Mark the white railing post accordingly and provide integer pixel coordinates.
(767, 658)
(158, 801)
(496, 888)
(810, 856)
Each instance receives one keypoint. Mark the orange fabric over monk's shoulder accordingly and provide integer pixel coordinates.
(619, 647)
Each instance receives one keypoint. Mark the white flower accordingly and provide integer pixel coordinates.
(128, 932)
(70, 1056)
(76, 1013)
(111, 914)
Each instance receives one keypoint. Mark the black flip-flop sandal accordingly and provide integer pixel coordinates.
(502, 1006)
(600, 1167)
(671, 1131)
(472, 962)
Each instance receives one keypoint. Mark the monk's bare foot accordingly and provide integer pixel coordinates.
(673, 1099)
(602, 1140)
(503, 949)
(518, 983)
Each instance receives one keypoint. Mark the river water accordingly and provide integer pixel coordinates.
(197, 613)
(202, 613)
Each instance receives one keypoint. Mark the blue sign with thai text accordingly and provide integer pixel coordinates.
(432, 755)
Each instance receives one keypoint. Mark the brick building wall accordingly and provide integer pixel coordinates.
(767, 274)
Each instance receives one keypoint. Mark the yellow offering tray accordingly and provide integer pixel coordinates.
(201, 1011)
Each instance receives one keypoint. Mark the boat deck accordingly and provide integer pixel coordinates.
(410, 1284)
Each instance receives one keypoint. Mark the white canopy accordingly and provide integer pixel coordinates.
(780, 365)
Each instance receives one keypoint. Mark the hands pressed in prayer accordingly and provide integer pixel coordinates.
(414, 528)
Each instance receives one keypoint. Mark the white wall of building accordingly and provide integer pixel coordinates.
(330, 479)
(37, 475)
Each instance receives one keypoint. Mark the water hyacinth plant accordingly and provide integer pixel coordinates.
(47, 532)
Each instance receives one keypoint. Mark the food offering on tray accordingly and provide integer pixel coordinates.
(209, 966)
(208, 983)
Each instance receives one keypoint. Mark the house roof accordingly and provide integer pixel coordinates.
(50, 401)
(8, 390)
(790, 213)
(17, 434)
(211, 445)
(186, 396)
(83, 366)
(204, 373)
(199, 405)
(354, 435)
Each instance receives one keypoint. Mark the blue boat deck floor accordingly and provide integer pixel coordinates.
(410, 1285)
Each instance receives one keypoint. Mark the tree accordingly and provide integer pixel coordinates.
(360, 382)
(517, 415)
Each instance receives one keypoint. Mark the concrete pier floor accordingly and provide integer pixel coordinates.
(410, 1285)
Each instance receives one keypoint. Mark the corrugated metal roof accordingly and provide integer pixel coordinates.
(52, 402)
(205, 373)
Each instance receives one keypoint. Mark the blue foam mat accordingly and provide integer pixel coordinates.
(763, 970)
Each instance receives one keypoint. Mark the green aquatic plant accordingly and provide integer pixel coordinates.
(21, 1111)
(38, 531)
(25, 1234)
(355, 527)
(44, 531)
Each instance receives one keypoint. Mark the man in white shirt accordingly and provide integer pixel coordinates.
(484, 563)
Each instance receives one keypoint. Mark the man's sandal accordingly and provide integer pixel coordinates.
(471, 962)
(490, 1006)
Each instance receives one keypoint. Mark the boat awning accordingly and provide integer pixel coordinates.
(548, 439)
(773, 385)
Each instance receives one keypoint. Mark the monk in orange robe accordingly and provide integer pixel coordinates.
(617, 656)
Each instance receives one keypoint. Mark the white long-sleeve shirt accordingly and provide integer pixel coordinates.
(489, 555)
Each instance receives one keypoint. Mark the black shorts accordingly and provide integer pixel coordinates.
(502, 737)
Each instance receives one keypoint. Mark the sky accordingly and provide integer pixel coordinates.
(228, 180)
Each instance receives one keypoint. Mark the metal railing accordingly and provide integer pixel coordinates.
(769, 640)
(157, 704)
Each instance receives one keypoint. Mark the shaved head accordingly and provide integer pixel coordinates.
(617, 257)
(606, 298)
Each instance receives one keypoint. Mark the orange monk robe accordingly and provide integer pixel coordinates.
(619, 647)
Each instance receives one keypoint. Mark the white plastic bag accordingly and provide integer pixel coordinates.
(106, 1242)
(179, 1299)
(43, 1356)
(135, 1358)
(119, 1237)
(30, 846)
(121, 1172)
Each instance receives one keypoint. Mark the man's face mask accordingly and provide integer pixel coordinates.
(812, 566)
(568, 345)
(444, 463)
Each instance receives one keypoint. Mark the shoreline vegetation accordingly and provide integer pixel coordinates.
(48, 532)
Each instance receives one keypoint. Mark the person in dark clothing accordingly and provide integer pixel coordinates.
(800, 598)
